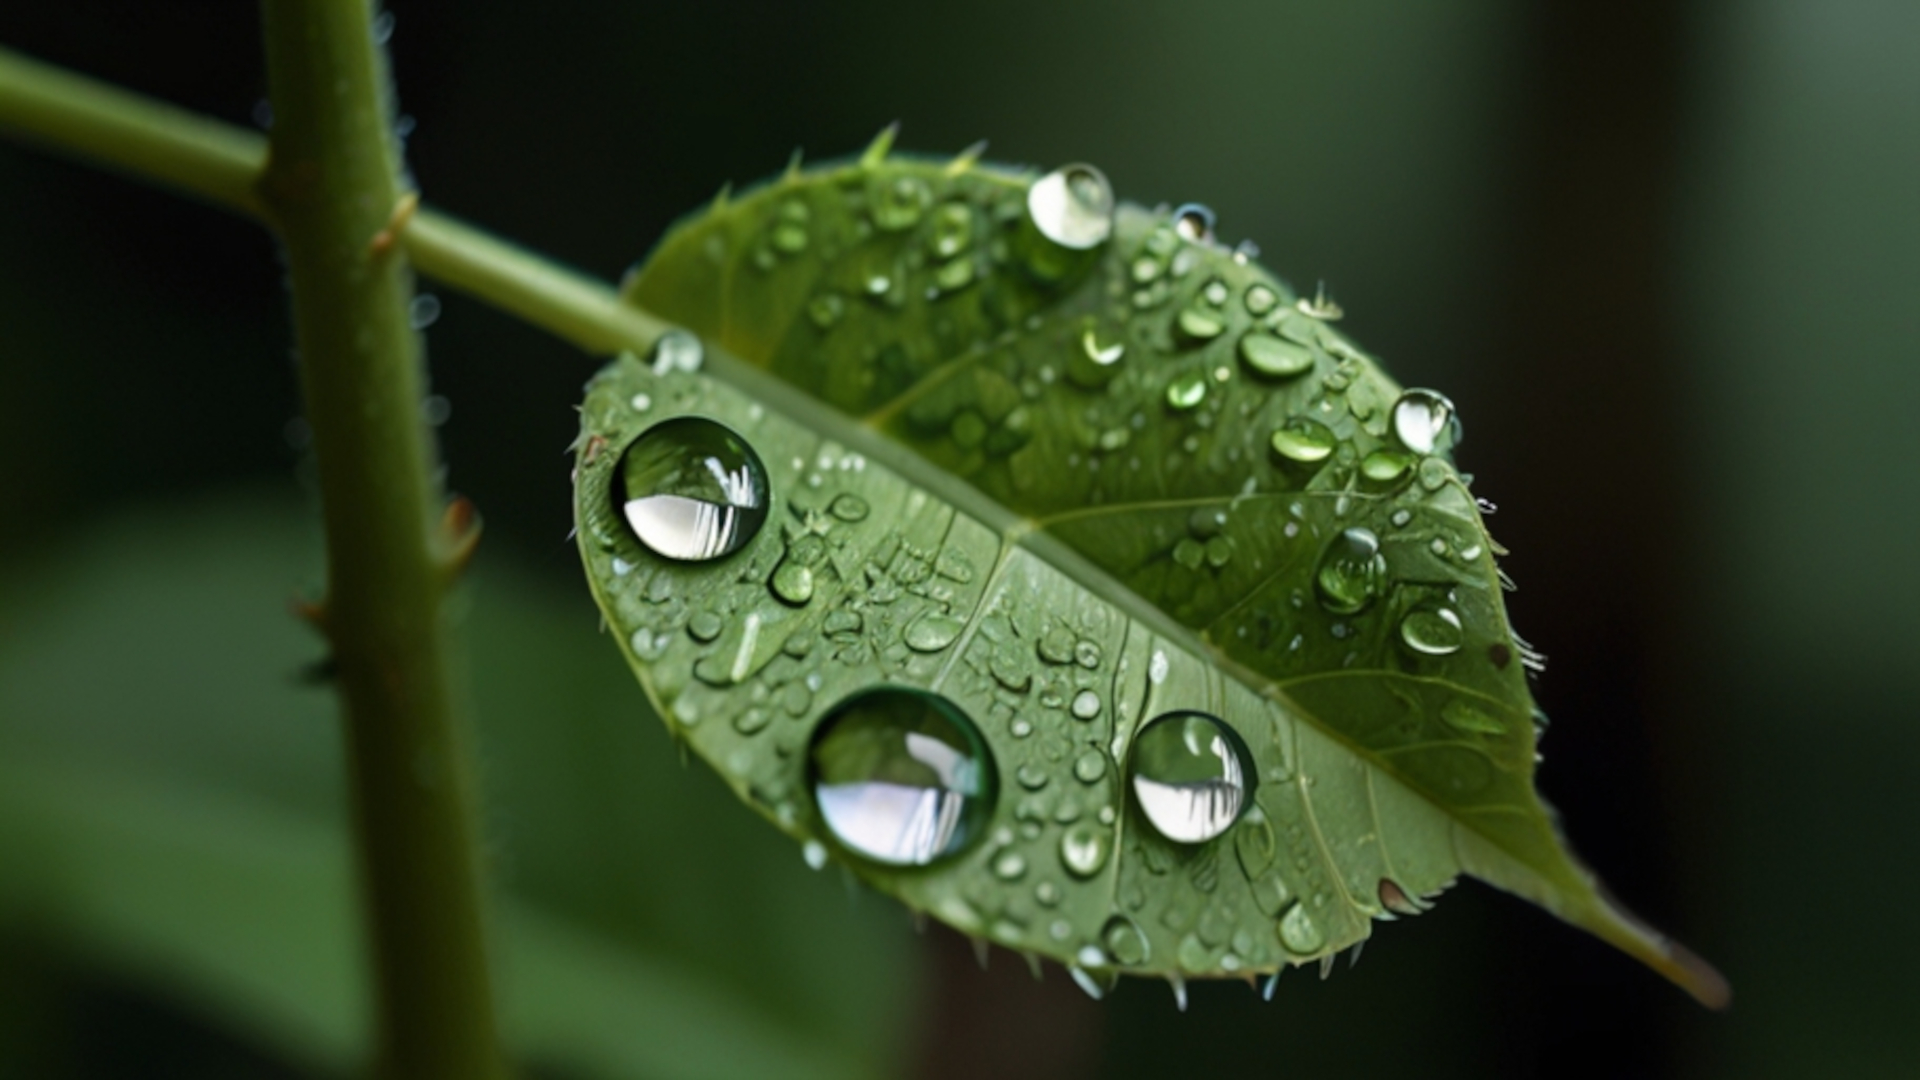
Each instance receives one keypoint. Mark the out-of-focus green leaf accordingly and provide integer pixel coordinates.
(169, 808)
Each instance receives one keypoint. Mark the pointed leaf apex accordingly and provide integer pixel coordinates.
(966, 159)
(722, 197)
(877, 150)
(793, 165)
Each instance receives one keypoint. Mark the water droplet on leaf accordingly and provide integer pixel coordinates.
(1424, 421)
(1190, 774)
(902, 777)
(1352, 572)
(692, 490)
(1072, 206)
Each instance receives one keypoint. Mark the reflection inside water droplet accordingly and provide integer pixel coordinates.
(1072, 206)
(1424, 421)
(1191, 775)
(1432, 631)
(1352, 572)
(1194, 222)
(692, 490)
(1303, 440)
(902, 777)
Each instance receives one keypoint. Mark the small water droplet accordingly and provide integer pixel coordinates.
(1401, 517)
(1072, 206)
(1158, 667)
(1194, 222)
(1303, 440)
(1190, 774)
(1261, 300)
(692, 490)
(826, 309)
(1384, 466)
(1010, 866)
(793, 582)
(899, 201)
(1200, 324)
(1352, 572)
(677, 350)
(901, 776)
(1090, 767)
(1432, 631)
(1270, 356)
(1187, 391)
(1424, 421)
(1299, 933)
(1466, 716)
(1083, 850)
(952, 230)
(815, 853)
(423, 311)
(849, 507)
(1086, 705)
(1124, 941)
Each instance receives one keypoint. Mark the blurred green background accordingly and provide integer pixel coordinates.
(1663, 256)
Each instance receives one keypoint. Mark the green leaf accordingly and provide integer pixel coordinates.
(1066, 470)
(181, 824)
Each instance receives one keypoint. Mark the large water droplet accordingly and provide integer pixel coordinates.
(1303, 440)
(692, 490)
(1424, 421)
(1191, 776)
(901, 776)
(1352, 572)
(1194, 222)
(1434, 631)
(1072, 206)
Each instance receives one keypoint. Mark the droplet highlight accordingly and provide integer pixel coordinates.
(1352, 572)
(1072, 206)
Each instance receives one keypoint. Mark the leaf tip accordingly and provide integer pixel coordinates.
(966, 159)
(877, 150)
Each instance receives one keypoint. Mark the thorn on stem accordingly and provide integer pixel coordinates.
(459, 535)
(388, 237)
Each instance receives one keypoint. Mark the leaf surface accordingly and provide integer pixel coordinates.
(1071, 488)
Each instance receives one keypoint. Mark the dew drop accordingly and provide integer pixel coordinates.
(1261, 300)
(849, 508)
(1303, 440)
(1090, 767)
(815, 853)
(677, 350)
(1191, 775)
(1086, 705)
(692, 490)
(1352, 572)
(1194, 223)
(1083, 850)
(899, 201)
(1200, 324)
(1124, 941)
(952, 230)
(901, 776)
(826, 309)
(1384, 466)
(1463, 715)
(1432, 631)
(1299, 933)
(1424, 421)
(1010, 866)
(1270, 356)
(1072, 206)
(792, 582)
(1187, 391)
(423, 311)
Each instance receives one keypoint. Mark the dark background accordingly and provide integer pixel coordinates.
(1663, 256)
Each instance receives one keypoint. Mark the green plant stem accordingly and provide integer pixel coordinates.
(151, 140)
(330, 186)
